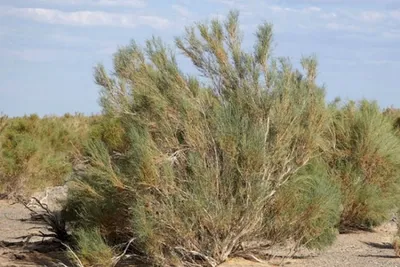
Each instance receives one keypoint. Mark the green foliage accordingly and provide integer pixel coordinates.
(365, 159)
(105, 201)
(3, 122)
(35, 152)
(93, 251)
(308, 208)
(201, 164)
(193, 172)
(110, 131)
(394, 115)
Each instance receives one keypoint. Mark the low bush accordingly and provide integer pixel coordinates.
(110, 131)
(201, 165)
(307, 209)
(365, 159)
(37, 152)
(189, 171)
(93, 251)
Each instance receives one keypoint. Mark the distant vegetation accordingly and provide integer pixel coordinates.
(193, 173)
(38, 152)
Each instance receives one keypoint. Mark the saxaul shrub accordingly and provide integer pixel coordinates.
(365, 159)
(110, 131)
(201, 162)
(93, 251)
(307, 209)
(37, 152)
(3, 122)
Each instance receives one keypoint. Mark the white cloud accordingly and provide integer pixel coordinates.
(343, 27)
(279, 9)
(235, 4)
(330, 15)
(391, 34)
(305, 10)
(133, 3)
(127, 3)
(3, 32)
(311, 9)
(341, 62)
(381, 62)
(395, 14)
(344, 1)
(372, 16)
(231, 3)
(107, 50)
(217, 16)
(340, 19)
(69, 39)
(38, 55)
(182, 11)
(87, 18)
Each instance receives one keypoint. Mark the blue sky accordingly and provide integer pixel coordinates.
(48, 47)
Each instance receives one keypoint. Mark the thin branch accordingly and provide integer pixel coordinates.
(80, 264)
(209, 260)
(118, 258)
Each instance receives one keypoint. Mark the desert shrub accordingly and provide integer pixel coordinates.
(37, 152)
(307, 208)
(110, 131)
(3, 122)
(202, 163)
(93, 251)
(365, 159)
(394, 115)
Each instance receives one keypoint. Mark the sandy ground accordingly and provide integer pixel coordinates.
(14, 225)
(359, 249)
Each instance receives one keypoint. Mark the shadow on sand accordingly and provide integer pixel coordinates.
(384, 245)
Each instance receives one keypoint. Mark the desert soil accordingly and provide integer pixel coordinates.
(359, 249)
